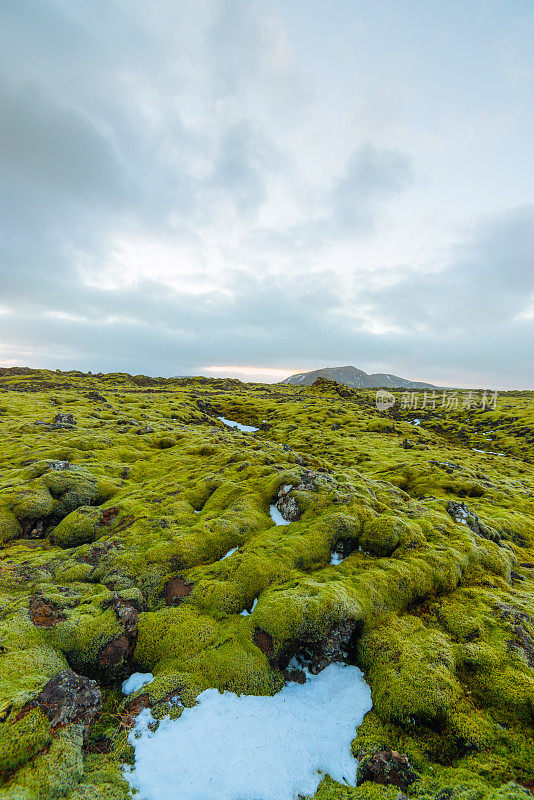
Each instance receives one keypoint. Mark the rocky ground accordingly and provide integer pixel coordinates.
(408, 553)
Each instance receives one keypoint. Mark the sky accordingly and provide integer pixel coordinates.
(254, 189)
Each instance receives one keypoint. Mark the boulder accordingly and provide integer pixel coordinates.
(67, 698)
(386, 767)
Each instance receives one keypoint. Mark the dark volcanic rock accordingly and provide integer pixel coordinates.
(58, 466)
(96, 396)
(386, 767)
(264, 641)
(523, 642)
(333, 647)
(461, 514)
(64, 419)
(176, 589)
(115, 654)
(33, 529)
(67, 698)
(288, 508)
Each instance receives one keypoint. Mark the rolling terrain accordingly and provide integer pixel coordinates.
(143, 533)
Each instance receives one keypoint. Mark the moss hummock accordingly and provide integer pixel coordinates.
(140, 539)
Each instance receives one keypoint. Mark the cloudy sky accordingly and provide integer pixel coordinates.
(236, 187)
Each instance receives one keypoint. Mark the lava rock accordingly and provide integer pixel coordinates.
(64, 419)
(58, 466)
(386, 767)
(287, 506)
(461, 514)
(67, 698)
(45, 613)
(176, 590)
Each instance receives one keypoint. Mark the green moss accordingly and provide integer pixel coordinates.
(30, 503)
(84, 634)
(173, 633)
(78, 527)
(380, 536)
(21, 740)
(413, 669)
(9, 526)
(53, 773)
(330, 790)
(442, 616)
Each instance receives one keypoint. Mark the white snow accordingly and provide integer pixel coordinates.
(337, 558)
(488, 452)
(246, 613)
(231, 747)
(136, 681)
(229, 553)
(416, 422)
(276, 516)
(238, 425)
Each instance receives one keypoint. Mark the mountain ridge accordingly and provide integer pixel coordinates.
(356, 378)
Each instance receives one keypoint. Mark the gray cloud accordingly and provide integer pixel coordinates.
(45, 143)
(371, 176)
(488, 281)
(164, 123)
(260, 319)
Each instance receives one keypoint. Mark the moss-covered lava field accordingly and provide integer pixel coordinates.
(135, 529)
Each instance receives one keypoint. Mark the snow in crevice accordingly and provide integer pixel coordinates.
(246, 613)
(231, 424)
(229, 553)
(136, 681)
(230, 747)
(336, 558)
(276, 516)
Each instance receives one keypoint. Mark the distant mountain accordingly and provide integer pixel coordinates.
(356, 378)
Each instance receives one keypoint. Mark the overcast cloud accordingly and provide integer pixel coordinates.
(230, 186)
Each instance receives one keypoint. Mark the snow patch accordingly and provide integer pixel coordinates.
(229, 553)
(231, 747)
(276, 516)
(337, 558)
(246, 613)
(232, 424)
(136, 681)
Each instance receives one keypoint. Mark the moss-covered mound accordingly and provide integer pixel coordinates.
(135, 530)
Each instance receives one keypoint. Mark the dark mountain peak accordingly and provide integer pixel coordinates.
(356, 378)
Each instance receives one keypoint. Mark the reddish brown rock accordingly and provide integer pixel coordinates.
(45, 613)
(176, 590)
(264, 641)
(108, 515)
